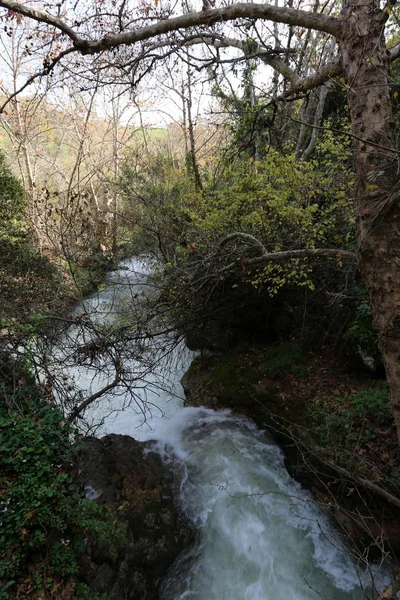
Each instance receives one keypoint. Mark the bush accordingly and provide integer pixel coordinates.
(29, 281)
(44, 515)
(342, 421)
(360, 336)
(12, 205)
(285, 358)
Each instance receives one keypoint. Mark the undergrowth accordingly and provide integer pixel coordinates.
(349, 419)
(342, 419)
(44, 516)
(355, 432)
(287, 358)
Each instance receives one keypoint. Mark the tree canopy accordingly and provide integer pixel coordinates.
(307, 47)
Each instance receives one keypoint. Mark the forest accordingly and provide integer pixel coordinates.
(200, 300)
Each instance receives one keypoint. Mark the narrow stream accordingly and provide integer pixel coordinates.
(260, 536)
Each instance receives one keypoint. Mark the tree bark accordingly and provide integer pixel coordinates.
(323, 93)
(191, 156)
(365, 62)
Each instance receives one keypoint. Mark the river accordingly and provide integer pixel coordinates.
(260, 536)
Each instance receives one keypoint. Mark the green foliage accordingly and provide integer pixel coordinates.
(371, 404)
(355, 432)
(28, 281)
(250, 132)
(284, 203)
(345, 421)
(44, 515)
(250, 117)
(284, 359)
(12, 206)
(158, 197)
(360, 335)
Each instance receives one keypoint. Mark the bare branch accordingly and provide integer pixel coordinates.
(81, 407)
(210, 17)
(42, 17)
(390, 593)
(269, 57)
(286, 15)
(37, 75)
(329, 71)
(289, 16)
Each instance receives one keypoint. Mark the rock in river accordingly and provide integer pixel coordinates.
(138, 486)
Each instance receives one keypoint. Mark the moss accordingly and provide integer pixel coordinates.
(234, 377)
(196, 364)
(285, 358)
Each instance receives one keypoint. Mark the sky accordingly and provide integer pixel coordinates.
(157, 95)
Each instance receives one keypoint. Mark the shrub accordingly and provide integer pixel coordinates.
(44, 517)
(29, 281)
(354, 419)
(360, 336)
(285, 358)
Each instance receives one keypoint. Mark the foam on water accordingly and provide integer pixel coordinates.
(259, 535)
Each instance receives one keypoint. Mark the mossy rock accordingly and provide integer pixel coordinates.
(138, 486)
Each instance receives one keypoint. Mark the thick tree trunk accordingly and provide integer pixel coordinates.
(366, 67)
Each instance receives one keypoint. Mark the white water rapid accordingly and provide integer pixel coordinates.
(259, 535)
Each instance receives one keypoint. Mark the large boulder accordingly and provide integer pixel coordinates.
(138, 486)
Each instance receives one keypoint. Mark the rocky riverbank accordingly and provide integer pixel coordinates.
(138, 487)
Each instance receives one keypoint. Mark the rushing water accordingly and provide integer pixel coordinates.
(260, 536)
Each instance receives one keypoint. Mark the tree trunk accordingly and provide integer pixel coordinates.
(191, 155)
(366, 67)
(319, 109)
(114, 228)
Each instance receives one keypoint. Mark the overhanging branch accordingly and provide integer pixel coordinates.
(268, 257)
(204, 18)
(288, 16)
(83, 405)
(285, 255)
